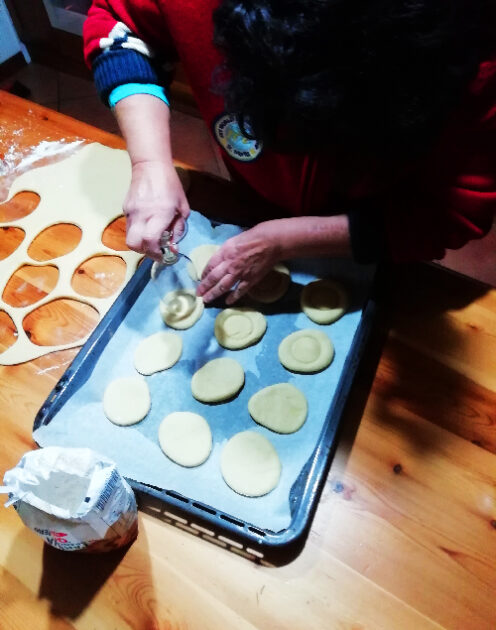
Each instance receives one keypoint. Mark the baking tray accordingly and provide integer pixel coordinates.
(200, 517)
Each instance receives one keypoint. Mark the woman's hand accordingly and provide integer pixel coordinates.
(155, 202)
(241, 262)
(246, 258)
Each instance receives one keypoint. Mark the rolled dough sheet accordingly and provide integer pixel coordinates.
(87, 190)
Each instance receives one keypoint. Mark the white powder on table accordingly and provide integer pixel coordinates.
(20, 158)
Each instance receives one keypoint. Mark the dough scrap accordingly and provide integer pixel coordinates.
(239, 327)
(281, 408)
(126, 400)
(323, 301)
(306, 351)
(218, 380)
(272, 286)
(157, 352)
(200, 257)
(181, 309)
(250, 464)
(186, 438)
(95, 180)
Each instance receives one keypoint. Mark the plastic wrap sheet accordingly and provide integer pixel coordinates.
(81, 421)
(16, 157)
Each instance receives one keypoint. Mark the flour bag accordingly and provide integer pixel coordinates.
(74, 498)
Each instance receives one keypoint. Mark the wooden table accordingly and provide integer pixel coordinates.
(405, 532)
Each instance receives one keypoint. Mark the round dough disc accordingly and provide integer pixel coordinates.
(306, 351)
(250, 464)
(239, 327)
(323, 301)
(126, 400)
(157, 352)
(185, 437)
(272, 286)
(200, 257)
(182, 308)
(282, 408)
(219, 379)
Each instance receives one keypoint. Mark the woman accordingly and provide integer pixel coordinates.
(370, 124)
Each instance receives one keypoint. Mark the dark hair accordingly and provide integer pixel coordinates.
(379, 76)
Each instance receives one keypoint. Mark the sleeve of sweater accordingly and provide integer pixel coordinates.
(126, 42)
(446, 202)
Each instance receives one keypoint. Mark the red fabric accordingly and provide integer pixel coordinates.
(443, 202)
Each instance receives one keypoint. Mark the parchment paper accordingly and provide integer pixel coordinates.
(135, 449)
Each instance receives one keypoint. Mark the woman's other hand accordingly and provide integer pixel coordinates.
(246, 258)
(240, 263)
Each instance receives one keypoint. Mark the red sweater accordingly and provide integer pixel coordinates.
(442, 202)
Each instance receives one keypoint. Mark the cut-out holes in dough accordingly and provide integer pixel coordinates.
(59, 322)
(30, 284)
(19, 206)
(55, 241)
(8, 331)
(10, 239)
(114, 235)
(100, 276)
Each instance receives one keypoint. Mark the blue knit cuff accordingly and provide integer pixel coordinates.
(128, 89)
(116, 67)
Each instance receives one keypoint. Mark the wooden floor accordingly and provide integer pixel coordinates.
(405, 532)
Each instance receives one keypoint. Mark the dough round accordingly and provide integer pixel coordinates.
(219, 379)
(200, 257)
(282, 408)
(306, 351)
(182, 308)
(157, 352)
(126, 400)
(185, 437)
(239, 327)
(323, 301)
(272, 286)
(250, 464)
